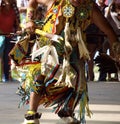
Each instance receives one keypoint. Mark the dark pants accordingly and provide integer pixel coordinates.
(6, 59)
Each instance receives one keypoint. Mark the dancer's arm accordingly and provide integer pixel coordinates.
(104, 26)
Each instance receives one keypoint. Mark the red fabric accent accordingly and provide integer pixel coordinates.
(7, 20)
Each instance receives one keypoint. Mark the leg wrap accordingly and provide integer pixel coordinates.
(32, 117)
(39, 86)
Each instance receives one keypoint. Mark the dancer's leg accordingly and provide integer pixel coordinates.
(32, 116)
(35, 97)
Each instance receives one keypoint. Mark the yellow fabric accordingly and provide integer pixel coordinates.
(40, 32)
(20, 50)
(31, 112)
(53, 16)
(52, 20)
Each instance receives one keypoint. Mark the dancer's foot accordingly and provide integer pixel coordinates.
(65, 113)
(67, 116)
(70, 120)
(32, 118)
(35, 121)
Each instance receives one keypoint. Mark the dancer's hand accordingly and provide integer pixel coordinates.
(30, 26)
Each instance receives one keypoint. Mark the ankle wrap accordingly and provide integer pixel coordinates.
(32, 116)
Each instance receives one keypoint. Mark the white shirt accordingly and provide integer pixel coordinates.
(22, 3)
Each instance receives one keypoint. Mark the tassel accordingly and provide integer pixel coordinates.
(47, 53)
(39, 52)
(62, 76)
(33, 50)
(68, 47)
(65, 77)
(83, 106)
(81, 45)
(54, 55)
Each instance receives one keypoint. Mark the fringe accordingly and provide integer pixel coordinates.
(81, 45)
(84, 107)
(66, 64)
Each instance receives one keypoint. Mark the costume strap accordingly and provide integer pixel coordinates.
(40, 32)
(52, 17)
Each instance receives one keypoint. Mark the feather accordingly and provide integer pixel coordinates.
(38, 52)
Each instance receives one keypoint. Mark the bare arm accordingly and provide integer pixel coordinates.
(32, 4)
(104, 25)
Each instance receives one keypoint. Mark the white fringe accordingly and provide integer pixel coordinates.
(65, 77)
(81, 45)
(68, 47)
(48, 56)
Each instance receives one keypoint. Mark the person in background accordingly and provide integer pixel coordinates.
(95, 42)
(2, 45)
(94, 45)
(112, 14)
(62, 44)
(22, 6)
(102, 6)
(9, 23)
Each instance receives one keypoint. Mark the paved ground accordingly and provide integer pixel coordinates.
(104, 103)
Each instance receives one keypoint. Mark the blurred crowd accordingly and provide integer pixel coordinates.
(13, 19)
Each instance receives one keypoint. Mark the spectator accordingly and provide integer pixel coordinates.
(9, 23)
(102, 6)
(113, 16)
(95, 44)
(2, 45)
(22, 6)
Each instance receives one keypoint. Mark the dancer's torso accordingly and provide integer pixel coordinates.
(56, 22)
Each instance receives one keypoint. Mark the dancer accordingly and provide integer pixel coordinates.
(56, 75)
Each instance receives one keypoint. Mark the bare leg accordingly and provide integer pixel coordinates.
(1, 68)
(32, 117)
(67, 113)
(35, 97)
(92, 49)
(34, 101)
